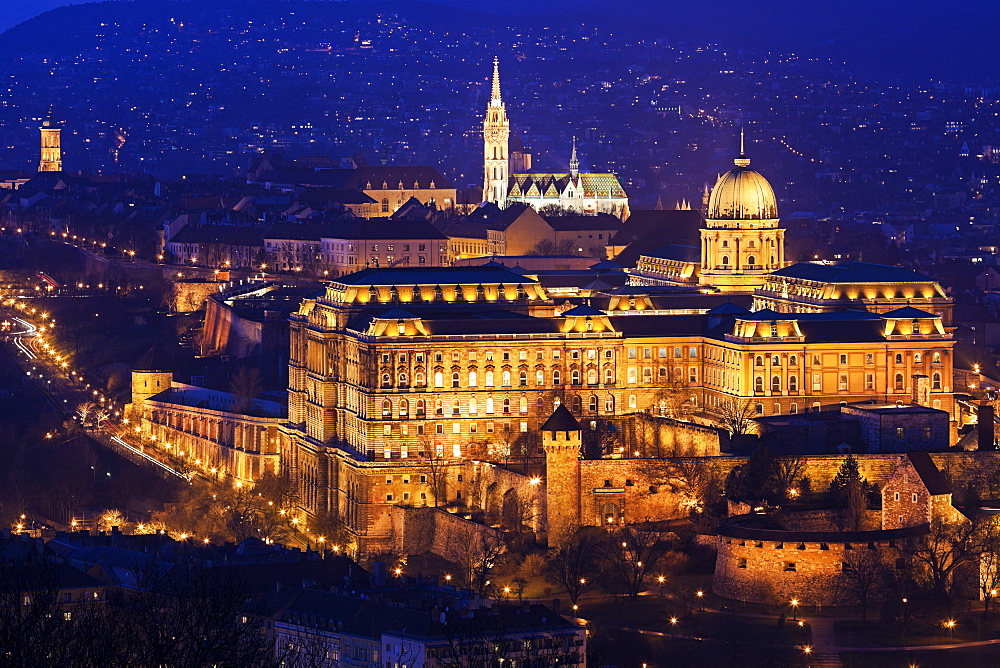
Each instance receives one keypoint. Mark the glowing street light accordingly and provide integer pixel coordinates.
(795, 609)
(950, 624)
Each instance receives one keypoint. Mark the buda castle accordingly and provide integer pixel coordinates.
(418, 385)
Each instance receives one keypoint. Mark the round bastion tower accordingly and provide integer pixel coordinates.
(150, 376)
(562, 440)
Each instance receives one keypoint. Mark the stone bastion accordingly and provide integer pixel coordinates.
(759, 564)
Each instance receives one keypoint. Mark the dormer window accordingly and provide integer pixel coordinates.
(915, 329)
(774, 332)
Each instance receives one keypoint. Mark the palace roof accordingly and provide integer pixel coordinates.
(486, 274)
(850, 272)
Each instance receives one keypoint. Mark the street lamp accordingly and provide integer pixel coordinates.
(660, 579)
(795, 609)
(951, 628)
(701, 598)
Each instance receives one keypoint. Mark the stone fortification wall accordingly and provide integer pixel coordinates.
(666, 437)
(769, 566)
(633, 490)
(226, 332)
(419, 531)
(190, 295)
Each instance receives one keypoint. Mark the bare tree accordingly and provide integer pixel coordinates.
(788, 472)
(477, 559)
(947, 547)
(737, 415)
(633, 552)
(861, 577)
(245, 384)
(576, 564)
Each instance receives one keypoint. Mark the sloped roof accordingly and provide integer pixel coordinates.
(583, 310)
(561, 420)
(675, 252)
(929, 473)
(909, 312)
(600, 222)
(154, 359)
(850, 272)
(490, 274)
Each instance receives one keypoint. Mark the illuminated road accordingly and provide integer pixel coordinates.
(28, 332)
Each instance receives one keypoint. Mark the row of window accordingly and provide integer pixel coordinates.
(843, 382)
(506, 378)
(524, 355)
(453, 408)
(793, 360)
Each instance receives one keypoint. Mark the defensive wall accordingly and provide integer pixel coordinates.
(775, 566)
(420, 531)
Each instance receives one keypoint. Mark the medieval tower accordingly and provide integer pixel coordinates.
(561, 441)
(51, 158)
(496, 136)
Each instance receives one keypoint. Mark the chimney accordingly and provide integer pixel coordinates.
(987, 438)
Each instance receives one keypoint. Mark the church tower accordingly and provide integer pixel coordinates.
(574, 164)
(51, 160)
(741, 242)
(496, 135)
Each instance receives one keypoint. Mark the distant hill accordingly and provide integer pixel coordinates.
(917, 39)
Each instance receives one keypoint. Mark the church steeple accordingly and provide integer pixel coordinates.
(496, 100)
(574, 163)
(496, 140)
(51, 153)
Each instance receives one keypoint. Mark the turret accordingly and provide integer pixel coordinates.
(496, 143)
(574, 164)
(150, 376)
(562, 439)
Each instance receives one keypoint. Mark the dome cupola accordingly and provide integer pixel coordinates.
(742, 194)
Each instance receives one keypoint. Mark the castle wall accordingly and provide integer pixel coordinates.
(190, 295)
(776, 571)
(419, 531)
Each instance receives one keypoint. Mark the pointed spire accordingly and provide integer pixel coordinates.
(574, 162)
(742, 160)
(496, 80)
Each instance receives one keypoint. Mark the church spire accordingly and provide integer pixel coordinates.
(574, 162)
(495, 100)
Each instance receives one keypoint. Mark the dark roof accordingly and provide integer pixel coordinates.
(233, 235)
(606, 265)
(583, 310)
(395, 314)
(850, 272)
(728, 308)
(561, 420)
(391, 175)
(154, 359)
(602, 222)
(929, 473)
(675, 252)
(486, 274)
(909, 312)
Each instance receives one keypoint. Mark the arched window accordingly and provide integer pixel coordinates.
(647, 376)
(898, 382)
(577, 404)
(421, 408)
(438, 379)
(473, 406)
(455, 382)
(419, 378)
(633, 403)
(402, 380)
(592, 376)
(760, 408)
(899, 358)
(758, 384)
(506, 405)
(489, 405)
(489, 379)
(751, 260)
(759, 361)
(609, 375)
(473, 379)
(385, 380)
(662, 374)
(539, 377)
(523, 379)
(793, 360)
(936, 381)
(523, 404)
(632, 376)
(917, 358)
(574, 377)
(775, 360)
(404, 408)
(725, 260)
(505, 379)
(609, 404)
(438, 407)
(386, 408)
(793, 383)
(936, 359)
(775, 384)
(556, 377)
(725, 243)
(592, 404)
